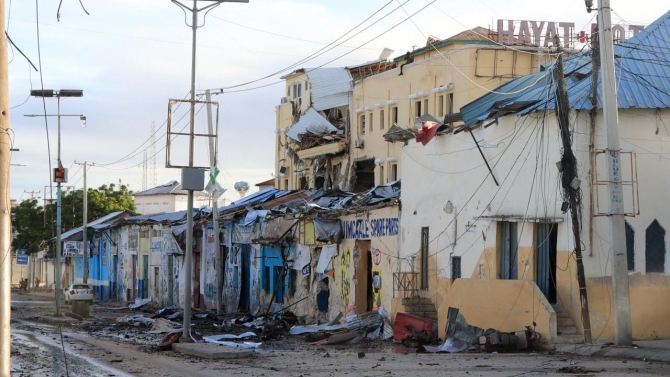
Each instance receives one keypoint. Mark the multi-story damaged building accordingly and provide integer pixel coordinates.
(334, 124)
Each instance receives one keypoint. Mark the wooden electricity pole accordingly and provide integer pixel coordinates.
(5, 208)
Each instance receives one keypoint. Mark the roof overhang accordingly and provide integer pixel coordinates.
(321, 150)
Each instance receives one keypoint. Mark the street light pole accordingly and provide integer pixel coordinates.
(58, 94)
(59, 255)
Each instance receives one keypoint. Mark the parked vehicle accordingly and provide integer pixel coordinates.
(79, 292)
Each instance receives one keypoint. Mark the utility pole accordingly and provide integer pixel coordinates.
(32, 193)
(570, 184)
(84, 225)
(623, 333)
(5, 208)
(215, 208)
(188, 257)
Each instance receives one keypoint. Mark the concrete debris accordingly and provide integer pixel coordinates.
(162, 325)
(136, 320)
(351, 337)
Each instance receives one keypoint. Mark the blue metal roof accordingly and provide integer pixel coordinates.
(255, 198)
(642, 76)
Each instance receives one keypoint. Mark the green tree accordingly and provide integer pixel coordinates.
(28, 226)
(101, 201)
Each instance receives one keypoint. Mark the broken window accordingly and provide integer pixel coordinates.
(381, 120)
(361, 124)
(286, 184)
(372, 123)
(417, 109)
(655, 248)
(424, 258)
(363, 175)
(450, 103)
(394, 172)
(630, 246)
(440, 106)
(394, 115)
(508, 250)
(455, 268)
(303, 183)
(292, 282)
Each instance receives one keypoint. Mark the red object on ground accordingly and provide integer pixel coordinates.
(400, 331)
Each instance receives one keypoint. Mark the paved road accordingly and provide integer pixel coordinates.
(41, 354)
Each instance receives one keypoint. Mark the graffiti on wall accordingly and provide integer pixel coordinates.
(362, 229)
(345, 260)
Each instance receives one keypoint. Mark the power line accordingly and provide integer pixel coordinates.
(326, 48)
(223, 90)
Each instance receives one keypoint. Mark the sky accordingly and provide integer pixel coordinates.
(131, 57)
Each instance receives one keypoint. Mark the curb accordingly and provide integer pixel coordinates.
(643, 354)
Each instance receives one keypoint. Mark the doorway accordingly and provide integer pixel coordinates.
(145, 276)
(196, 280)
(170, 280)
(508, 250)
(546, 236)
(133, 268)
(364, 296)
(115, 277)
(245, 271)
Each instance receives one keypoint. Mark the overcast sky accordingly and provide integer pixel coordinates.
(131, 56)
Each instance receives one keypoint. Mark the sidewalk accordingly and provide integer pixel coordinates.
(645, 350)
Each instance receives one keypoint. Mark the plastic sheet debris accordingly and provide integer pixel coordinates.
(139, 303)
(451, 345)
(256, 324)
(245, 335)
(203, 315)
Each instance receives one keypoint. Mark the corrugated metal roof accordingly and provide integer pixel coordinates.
(642, 75)
(93, 224)
(330, 87)
(170, 188)
(253, 199)
(312, 122)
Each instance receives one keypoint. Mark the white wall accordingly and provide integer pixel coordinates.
(522, 152)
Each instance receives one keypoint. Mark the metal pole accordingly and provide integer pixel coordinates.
(188, 258)
(84, 233)
(5, 209)
(215, 212)
(57, 278)
(621, 303)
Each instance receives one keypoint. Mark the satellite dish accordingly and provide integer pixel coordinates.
(386, 52)
(241, 187)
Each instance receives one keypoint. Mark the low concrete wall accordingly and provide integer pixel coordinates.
(505, 305)
(649, 305)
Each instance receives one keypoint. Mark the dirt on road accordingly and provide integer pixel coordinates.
(104, 346)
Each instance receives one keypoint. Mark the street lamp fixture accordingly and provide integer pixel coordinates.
(60, 175)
